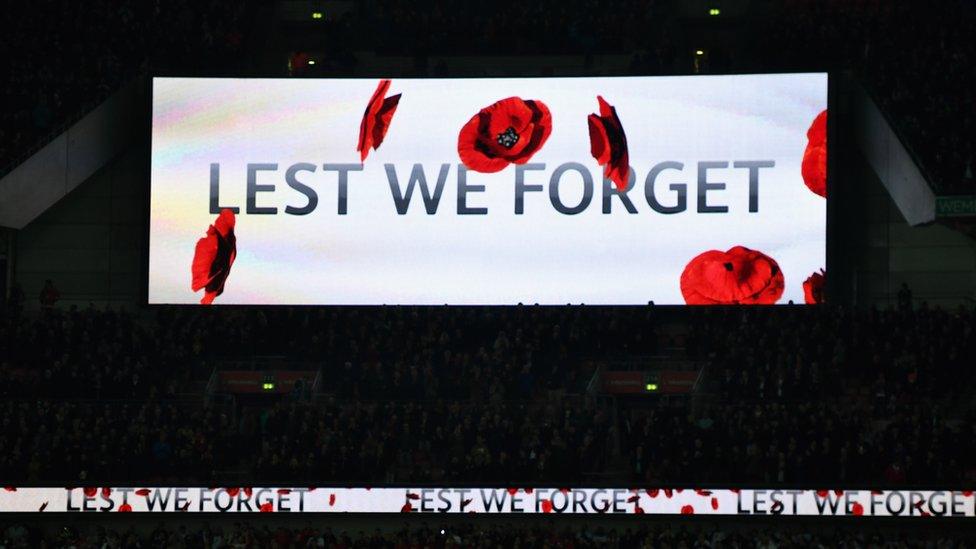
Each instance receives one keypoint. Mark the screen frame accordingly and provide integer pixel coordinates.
(830, 288)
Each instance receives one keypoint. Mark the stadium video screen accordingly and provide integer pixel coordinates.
(598, 190)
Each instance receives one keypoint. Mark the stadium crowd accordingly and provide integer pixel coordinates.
(250, 534)
(911, 56)
(878, 40)
(59, 57)
(790, 396)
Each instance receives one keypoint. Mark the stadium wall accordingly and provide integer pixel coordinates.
(91, 243)
(937, 263)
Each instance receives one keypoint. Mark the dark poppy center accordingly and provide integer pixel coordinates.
(508, 138)
(728, 266)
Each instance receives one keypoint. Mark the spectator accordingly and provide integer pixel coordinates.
(49, 295)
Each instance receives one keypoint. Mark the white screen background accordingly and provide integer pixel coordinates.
(372, 255)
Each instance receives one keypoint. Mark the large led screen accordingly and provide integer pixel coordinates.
(597, 190)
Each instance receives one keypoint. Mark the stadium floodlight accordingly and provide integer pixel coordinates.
(651, 387)
(316, 15)
(699, 52)
(311, 61)
(714, 11)
(268, 386)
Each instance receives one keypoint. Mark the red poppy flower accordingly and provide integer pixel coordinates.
(857, 509)
(546, 506)
(813, 288)
(376, 119)
(331, 500)
(687, 510)
(814, 167)
(608, 144)
(214, 257)
(125, 508)
(505, 132)
(266, 507)
(715, 504)
(738, 276)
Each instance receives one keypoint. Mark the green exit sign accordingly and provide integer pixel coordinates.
(955, 206)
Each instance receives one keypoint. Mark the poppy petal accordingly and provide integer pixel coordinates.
(203, 257)
(813, 288)
(814, 166)
(225, 222)
(538, 131)
(608, 144)
(599, 143)
(376, 119)
(213, 257)
(605, 109)
(383, 118)
(366, 125)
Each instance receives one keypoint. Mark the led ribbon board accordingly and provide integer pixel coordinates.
(651, 501)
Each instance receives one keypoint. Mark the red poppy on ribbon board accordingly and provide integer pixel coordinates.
(214, 256)
(376, 119)
(814, 167)
(608, 144)
(813, 288)
(506, 132)
(737, 276)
